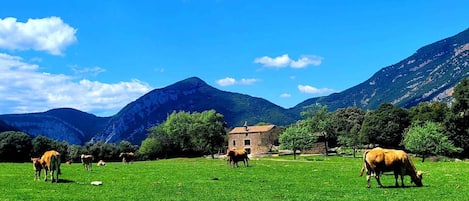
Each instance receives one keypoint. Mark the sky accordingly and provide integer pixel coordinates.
(98, 56)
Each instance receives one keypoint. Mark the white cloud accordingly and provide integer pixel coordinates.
(285, 60)
(24, 89)
(277, 62)
(247, 81)
(285, 95)
(228, 81)
(306, 60)
(313, 90)
(49, 34)
(93, 71)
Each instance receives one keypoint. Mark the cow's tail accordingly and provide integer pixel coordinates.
(364, 163)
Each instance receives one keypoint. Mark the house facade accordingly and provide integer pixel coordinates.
(253, 139)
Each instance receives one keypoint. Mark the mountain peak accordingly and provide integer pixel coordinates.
(189, 83)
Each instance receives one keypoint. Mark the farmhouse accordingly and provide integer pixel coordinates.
(253, 139)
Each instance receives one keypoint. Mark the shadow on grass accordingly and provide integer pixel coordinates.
(65, 181)
(403, 186)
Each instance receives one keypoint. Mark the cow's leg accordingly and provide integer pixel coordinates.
(378, 180)
(45, 174)
(402, 180)
(52, 176)
(368, 184)
(396, 175)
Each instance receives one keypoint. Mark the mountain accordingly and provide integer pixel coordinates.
(192, 95)
(429, 74)
(5, 127)
(64, 124)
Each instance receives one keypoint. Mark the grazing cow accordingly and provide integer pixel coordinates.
(234, 156)
(378, 160)
(87, 161)
(127, 157)
(69, 162)
(101, 163)
(37, 168)
(50, 161)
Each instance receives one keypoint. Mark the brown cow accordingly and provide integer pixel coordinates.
(87, 161)
(127, 157)
(50, 161)
(237, 155)
(37, 168)
(378, 160)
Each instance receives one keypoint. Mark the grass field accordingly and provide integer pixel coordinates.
(276, 178)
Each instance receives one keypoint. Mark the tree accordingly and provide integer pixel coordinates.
(428, 140)
(15, 146)
(150, 148)
(126, 146)
(385, 126)
(183, 133)
(74, 152)
(41, 144)
(429, 111)
(297, 137)
(209, 127)
(457, 124)
(319, 120)
(347, 125)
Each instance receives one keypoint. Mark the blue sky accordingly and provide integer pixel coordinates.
(98, 56)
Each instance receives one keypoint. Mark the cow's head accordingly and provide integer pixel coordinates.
(418, 178)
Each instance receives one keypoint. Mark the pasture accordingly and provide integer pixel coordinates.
(276, 178)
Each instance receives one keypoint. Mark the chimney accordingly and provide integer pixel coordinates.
(246, 126)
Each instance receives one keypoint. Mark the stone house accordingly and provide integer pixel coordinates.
(253, 139)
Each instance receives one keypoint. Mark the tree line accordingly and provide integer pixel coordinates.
(429, 128)
(17, 146)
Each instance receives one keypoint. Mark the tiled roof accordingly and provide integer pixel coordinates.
(252, 129)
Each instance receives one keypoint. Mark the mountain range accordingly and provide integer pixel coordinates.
(429, 74)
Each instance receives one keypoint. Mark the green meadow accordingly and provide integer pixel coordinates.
(270, 178)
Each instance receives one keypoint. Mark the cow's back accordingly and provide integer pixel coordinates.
(382, 160)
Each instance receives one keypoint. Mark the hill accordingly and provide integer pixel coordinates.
(193, 95)
(429, 74)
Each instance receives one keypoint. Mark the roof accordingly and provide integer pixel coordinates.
(252, 129)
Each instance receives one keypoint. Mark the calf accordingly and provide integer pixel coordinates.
(87, 161)
(37, 168)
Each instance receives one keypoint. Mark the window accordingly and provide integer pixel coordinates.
(247, 142)
(234, 143)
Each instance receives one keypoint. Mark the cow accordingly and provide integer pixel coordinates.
(234, 156)
(69, 162)
(87, 161)
(50, 161)
(37, 168)
(127, 157)
(101, 163)
(378, 160)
